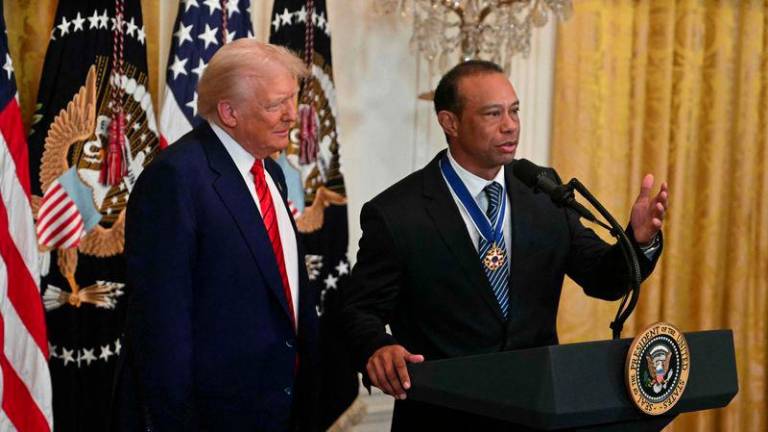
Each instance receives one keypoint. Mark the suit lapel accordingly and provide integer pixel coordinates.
(445, 214)
(234, 194)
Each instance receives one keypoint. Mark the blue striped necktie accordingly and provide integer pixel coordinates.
(498, 278)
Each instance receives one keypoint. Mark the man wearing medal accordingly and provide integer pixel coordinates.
(461, 258)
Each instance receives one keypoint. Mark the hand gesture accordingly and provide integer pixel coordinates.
(648, 212)
(387, 371)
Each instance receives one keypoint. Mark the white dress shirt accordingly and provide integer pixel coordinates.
(244, 161)
(475, 186)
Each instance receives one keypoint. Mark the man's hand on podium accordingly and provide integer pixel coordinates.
(387, 371)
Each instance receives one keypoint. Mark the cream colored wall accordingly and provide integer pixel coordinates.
(385, 132)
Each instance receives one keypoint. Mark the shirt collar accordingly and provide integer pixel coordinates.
(474, 184)
(243, 160)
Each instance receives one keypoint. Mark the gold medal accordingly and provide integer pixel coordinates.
(495, 258)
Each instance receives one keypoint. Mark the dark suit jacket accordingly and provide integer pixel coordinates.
(418, 271)
(209, 342)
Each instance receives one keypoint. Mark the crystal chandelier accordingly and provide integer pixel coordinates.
(494, 30)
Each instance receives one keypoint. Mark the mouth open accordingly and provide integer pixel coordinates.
(508, 146)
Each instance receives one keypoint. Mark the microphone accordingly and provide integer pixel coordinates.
(537, 179)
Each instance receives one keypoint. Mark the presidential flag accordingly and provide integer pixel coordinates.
(83, 168)
(200, 29)
(316, 189)
(25, 389)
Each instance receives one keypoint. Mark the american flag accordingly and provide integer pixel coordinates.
(197, 36)
(25, 381)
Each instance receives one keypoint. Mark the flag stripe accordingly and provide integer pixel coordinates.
(73, 240)
(13, 131)
(51, 200)
(13, 196)
(22, 291)
(21, 409)
(22, 353)
(60, 227)
(49, 227)
(173, 123)
(69, 230)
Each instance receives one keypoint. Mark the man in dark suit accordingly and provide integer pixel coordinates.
(221, 328)
(461, 258)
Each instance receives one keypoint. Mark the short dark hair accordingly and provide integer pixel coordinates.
(447, 92)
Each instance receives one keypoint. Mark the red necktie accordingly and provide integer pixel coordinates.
(273, 231)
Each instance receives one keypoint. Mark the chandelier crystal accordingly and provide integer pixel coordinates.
(447, 31)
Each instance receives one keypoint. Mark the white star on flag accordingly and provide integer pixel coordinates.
(93, 21)
(64, 26)
(286, 17)
(200, 68)
(212, 6)
(183, 33)
(131, 27)
(190, 3)
(342, 268)
(67, 355)
(141, 35)
(105, 352)
(330, 281)
(88, 356)
(103, 19)
(232, 8)
(178, 67)
(78, 22)
(231, 36)
(193, 103)
(8, 66)
(209, 36)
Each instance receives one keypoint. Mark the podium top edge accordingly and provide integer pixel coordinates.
(604, 342)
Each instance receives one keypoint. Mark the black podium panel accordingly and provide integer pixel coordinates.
(574, 386)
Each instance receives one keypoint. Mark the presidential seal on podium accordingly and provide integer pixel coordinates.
(657, 368)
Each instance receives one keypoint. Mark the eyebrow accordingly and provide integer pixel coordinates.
(282, 99)
(498, 105)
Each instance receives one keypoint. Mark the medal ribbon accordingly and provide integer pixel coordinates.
(491, 234)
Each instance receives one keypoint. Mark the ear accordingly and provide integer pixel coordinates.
(449, 122)
(226, 113)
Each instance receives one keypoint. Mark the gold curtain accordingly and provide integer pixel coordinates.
(678, 89)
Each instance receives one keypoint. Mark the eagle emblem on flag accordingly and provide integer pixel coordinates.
(75, 192)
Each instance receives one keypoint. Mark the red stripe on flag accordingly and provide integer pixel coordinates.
(56, 221)
(15, 138)
(48, 208)
(73, 232)
(48, 240)
(17, 402)
(73, 240)
(22, 291)
(163, 142)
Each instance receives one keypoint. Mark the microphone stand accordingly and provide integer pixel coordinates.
(630, 256)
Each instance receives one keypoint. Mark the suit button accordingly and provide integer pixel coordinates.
(289, 344)
(287, 391)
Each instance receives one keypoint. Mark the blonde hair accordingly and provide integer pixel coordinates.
(234, 65)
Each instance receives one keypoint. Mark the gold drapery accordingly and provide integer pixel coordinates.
(678, 89)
